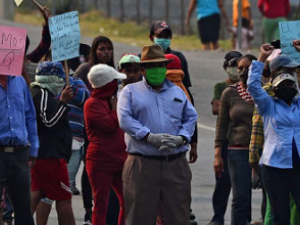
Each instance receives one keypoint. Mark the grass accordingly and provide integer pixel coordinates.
(94, 23)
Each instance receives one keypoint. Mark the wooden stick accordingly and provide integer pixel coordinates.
(38, 4)
(67, 73)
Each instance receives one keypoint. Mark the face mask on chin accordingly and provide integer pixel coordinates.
(233, 73)
(286, 94)
(162, 42)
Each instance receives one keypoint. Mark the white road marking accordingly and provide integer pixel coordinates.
(204, 127)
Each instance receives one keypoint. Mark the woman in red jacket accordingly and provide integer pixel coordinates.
(106, 152)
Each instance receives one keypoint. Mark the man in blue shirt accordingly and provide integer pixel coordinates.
(18, 144)
(159, 122)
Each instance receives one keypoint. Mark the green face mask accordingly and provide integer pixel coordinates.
(156, 76)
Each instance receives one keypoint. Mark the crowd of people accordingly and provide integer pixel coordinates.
(134, 127)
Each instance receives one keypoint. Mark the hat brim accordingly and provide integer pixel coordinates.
(159, 60)
(158, 31)
(120, 76)
(291, 65)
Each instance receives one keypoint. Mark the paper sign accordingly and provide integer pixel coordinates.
(65, 36)
(289, 31)
(18, 2)
(12, 50)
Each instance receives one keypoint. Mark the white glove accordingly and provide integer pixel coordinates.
(165, 148)
(156, 139)
(172, 141)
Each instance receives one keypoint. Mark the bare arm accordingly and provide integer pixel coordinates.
(192, 7)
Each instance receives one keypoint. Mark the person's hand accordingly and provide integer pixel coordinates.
(218, 166)
(67, 95)
(265, 51)
(113, 102)
(296, 44)
(254, 166)
(46, 14)
(156, 139)
(31, 161)
(172, 141)
(193, 153)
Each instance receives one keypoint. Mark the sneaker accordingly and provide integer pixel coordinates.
(75, 191)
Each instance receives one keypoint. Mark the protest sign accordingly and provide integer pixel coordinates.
(12, 50)
(65, 36)
(18, 2)
(289, 31)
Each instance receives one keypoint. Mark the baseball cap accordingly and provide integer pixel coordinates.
(282, 61)
(103, 74)
(231, 58)
(282, 77)
(159, 26)
(48, 68)
(127, 59)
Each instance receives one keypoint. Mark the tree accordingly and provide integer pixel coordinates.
(138, 15)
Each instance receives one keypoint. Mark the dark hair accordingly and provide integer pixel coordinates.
(249, 57)
(93, 60)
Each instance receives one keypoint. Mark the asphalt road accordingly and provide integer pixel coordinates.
(205, 70)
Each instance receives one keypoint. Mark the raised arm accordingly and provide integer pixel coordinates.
(191, 9)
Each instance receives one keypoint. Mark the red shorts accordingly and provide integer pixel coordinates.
(51, 177)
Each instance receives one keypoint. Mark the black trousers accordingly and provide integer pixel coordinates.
(279, 183)
(15, 176)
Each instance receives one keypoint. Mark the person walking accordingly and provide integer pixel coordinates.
(156, 169)
(273, 12)
(235, 125)
(49, 177)
(106, 152)
(223, 185)
(209, 21)
(19, 145)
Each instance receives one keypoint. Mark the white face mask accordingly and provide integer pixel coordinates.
(233, 73)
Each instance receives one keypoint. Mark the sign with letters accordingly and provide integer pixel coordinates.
(289, 31)
(12, 50)
(65, 36)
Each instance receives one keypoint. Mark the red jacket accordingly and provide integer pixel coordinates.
(106, 151)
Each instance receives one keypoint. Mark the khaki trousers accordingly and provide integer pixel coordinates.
(147, 183)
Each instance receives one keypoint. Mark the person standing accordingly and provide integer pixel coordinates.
(209, 21)
(19, 144)
(106, 152)
(234, 125)
(157, 140)
(223, 184)
(273, 12)
(49, 177)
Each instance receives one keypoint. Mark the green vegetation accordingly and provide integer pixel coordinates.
(94, 23)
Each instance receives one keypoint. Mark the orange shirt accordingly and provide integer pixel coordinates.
(245, 11)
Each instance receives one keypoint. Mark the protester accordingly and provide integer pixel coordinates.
(18, 145)
(280, 158)
(273, 12)
(247, 24)
(223, 184)
(102, 52)
(106, 152)
(49, 177)
(235, 125)
(161, 34)
(129, 65)
(209, 21)
(154, 156)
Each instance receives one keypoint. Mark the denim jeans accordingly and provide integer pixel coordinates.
(222, 190)
(278, 184)
(14, 174)
(74, 164)
(240, 175)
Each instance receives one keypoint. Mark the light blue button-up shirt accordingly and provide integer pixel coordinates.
(142, 110)
(17, 116)
(281, 122)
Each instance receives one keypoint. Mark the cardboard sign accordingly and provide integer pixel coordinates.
(18, 2)
(65, 36)
(12, 50)
(289, 31)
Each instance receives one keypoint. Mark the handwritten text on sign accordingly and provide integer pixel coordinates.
(12, 50)
(65, 36)
(289, 31)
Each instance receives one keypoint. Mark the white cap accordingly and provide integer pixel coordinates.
(282, 77)
(103, 74)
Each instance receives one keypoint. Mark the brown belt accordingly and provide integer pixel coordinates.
(11, 149)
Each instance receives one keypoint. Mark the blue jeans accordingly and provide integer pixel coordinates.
(240, 176)
(74, 164)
